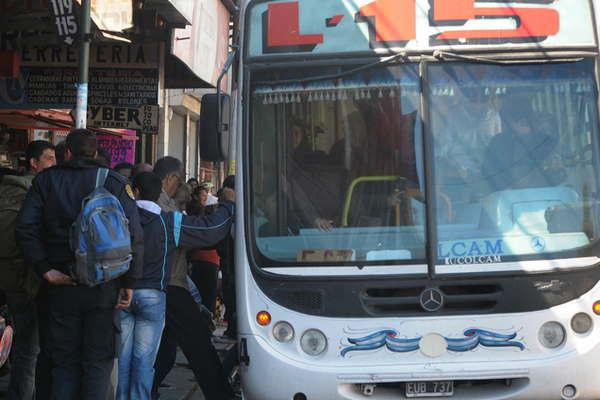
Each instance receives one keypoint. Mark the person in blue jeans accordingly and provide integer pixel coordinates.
(143, 322)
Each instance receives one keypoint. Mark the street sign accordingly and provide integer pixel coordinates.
(143, 119)
(65, 19)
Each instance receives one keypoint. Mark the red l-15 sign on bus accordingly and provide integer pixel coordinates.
(317, 26)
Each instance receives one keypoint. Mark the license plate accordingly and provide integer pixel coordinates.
(430, 389)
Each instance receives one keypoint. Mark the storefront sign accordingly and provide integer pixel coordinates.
(55, 88)
(143, 119)
(121, 149)
(120, 75)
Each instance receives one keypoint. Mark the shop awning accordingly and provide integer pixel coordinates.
(178, 13)
(46, 119)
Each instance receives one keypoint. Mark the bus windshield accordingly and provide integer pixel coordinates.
(337, 165)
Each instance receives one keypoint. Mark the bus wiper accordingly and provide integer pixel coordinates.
(442, 55)
(393, 59)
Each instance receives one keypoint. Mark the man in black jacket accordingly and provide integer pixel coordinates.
(185, 326)
(17, 280)
(80, 335)
(142, 324)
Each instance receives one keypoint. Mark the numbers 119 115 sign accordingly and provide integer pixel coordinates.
(65, 19)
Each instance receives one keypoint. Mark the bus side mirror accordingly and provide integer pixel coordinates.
(213, 128)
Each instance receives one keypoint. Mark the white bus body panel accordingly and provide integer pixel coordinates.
(279, 370)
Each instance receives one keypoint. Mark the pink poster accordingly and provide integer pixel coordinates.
(121, 149)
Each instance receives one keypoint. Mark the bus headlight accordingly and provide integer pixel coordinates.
(551, 335)
(283, 332)
(313, 342)
(581, 323)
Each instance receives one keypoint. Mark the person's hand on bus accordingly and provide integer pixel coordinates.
(323, 224)
(227, 194)
(395, 199)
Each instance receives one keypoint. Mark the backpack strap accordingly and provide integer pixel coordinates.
(101, 176)
(177, 218)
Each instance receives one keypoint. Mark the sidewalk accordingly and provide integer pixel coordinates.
(182, 385)
(181, 379)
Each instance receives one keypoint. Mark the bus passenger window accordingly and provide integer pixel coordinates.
(312, 140)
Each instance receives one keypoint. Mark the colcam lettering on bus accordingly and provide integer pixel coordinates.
(472, 248)
(472, 260)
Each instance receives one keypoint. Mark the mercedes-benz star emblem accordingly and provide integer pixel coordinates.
(431, 299)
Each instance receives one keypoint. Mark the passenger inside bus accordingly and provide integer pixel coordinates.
(346, 150)
(379, 152)
(310, 195)
(464, 119)
(524, 154)
(463, 122)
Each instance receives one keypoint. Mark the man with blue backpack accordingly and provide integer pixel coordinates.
(80, 230)
(143, 322)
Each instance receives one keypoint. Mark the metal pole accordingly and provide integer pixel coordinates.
(84, 63)
(431, 235)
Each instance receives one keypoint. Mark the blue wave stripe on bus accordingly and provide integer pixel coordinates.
(465, 346)
(473, 338)
(362, 347)
(379, 335)
(402, 348)
(483, 332)
(396, 340)
(492, 343)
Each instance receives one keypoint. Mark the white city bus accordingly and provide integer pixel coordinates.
(418, 186)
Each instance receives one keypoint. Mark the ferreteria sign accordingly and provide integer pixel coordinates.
(110, 55)
(120, 75)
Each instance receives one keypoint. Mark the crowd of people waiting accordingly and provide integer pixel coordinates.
(69, 335)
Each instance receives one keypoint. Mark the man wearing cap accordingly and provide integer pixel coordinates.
(212, 199)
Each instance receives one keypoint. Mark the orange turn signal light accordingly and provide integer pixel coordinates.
(263, 318)
(596, 308)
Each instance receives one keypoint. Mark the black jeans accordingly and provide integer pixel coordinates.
(43, 368)
(206, 275)
(186, 327)
(25, 347)
(81, 340)
(165, 359)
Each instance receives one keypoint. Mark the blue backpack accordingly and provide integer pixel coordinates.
(100, 237)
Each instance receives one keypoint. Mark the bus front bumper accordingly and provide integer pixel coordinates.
(273, 376)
